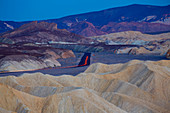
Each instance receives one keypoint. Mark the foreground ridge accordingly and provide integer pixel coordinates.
(136, 86)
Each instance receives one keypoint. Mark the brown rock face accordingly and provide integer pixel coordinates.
(42, 32)
(136, 86)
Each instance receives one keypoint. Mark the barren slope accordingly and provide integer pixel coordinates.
(136, 86)
(152, 44)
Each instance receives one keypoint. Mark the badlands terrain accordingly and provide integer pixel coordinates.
(14, 58)
(133, 87)
(148, 44)
(46, 54)
(38, 45)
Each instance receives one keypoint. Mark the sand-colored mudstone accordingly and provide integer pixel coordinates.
(151, 44)
(133, 87)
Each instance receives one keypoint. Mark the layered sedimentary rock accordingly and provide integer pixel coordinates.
(150, 44)
(136, 86)
(31, 58)
(131, 37)
(25, 62)
(42, 32)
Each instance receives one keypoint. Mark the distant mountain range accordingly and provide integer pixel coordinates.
(144, 18)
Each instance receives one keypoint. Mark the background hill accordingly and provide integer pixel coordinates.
(144, 18)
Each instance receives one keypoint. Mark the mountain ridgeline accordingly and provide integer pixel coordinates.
(143, 18)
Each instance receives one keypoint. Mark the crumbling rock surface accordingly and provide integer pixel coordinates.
(42, 32)
(149, 44)
(133, 87)
(31, 58)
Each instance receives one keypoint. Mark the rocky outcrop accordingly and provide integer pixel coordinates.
(136, 86)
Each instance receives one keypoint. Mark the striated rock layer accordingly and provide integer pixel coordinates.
(150, 44)
(134, 87)
(42, 33)
(31, 58)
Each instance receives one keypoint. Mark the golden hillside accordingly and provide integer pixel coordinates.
(134, 87)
